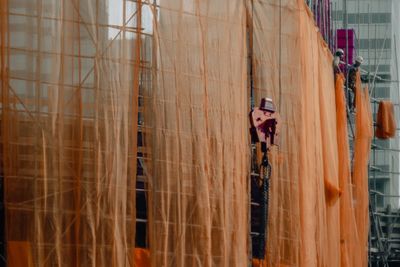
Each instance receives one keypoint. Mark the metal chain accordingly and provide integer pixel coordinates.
(265, 175)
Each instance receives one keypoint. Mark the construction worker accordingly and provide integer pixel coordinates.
(337, 60)
(352, 79)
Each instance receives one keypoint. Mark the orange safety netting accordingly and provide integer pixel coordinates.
(19, 254)
(362, 148)
(293, 67)
(354, 221)
(385, 121)
(198, 142)
(68, 128)
(350, 254)
(142, 257)
(71, 77)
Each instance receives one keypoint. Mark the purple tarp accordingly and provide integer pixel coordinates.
(341, 43)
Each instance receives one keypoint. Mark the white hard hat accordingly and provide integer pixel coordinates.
(339, 52)
(359, 60)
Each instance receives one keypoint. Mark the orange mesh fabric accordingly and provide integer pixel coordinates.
(332, 192)
(362, 147)
(71, 72)
(198, 140)
(349, 239)
(385, 121)
(68, 131)
(293, 66)
(19, 254)
(142, 257)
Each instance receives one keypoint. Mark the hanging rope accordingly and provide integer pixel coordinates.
(280, 55)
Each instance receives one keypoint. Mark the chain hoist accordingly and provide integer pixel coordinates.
(264, 129)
